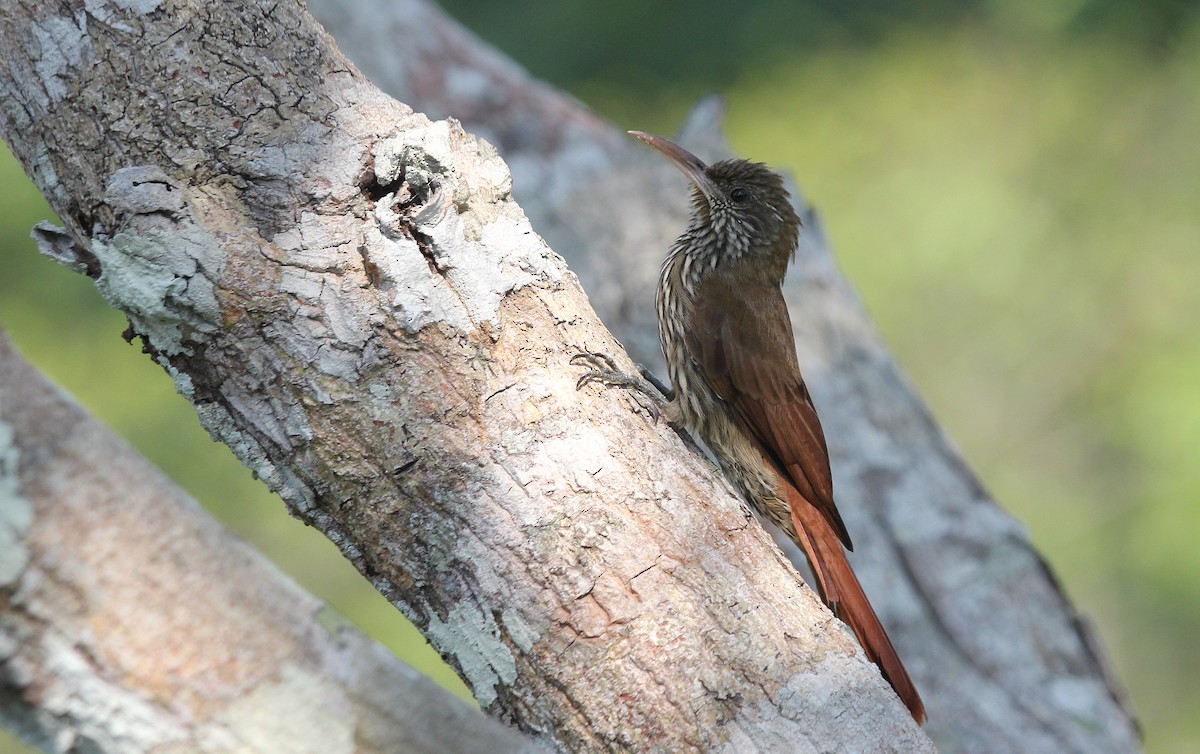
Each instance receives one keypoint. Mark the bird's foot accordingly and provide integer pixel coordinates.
(604, 370)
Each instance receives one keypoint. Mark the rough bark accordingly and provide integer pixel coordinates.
(131, 621)
(1004, 661)
(355, 304)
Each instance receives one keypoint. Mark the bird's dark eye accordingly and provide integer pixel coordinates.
(739, 194)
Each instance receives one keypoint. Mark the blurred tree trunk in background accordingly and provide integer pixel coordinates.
(260, 304)
(125, 585)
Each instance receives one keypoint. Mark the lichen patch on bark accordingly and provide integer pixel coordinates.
(473, 639)
(16, 513)
(313, 727)
(161, 266)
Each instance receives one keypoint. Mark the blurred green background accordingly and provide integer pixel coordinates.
(1014, 188)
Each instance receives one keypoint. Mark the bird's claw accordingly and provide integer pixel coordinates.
(604, 370)
(597, 361)
(593, 358)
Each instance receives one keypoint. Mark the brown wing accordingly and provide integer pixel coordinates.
(731, 330)
(740, 336)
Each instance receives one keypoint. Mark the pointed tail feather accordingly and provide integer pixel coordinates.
(840, 589)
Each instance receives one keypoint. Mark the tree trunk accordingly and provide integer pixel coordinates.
(355, 305)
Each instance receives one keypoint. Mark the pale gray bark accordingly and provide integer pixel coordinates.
(1004, 661)
(131, 621)
(355, 304)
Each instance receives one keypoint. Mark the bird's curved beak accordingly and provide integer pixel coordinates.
(691, 165)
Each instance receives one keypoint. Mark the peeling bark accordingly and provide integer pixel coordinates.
(130, 621)
(350, 297)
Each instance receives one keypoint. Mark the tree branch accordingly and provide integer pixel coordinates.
(355, 305)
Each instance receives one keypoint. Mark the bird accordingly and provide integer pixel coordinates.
(735, 380)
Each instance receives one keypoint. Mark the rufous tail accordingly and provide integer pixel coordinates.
(840, 589)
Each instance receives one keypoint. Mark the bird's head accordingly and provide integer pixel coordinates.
(743, 204)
